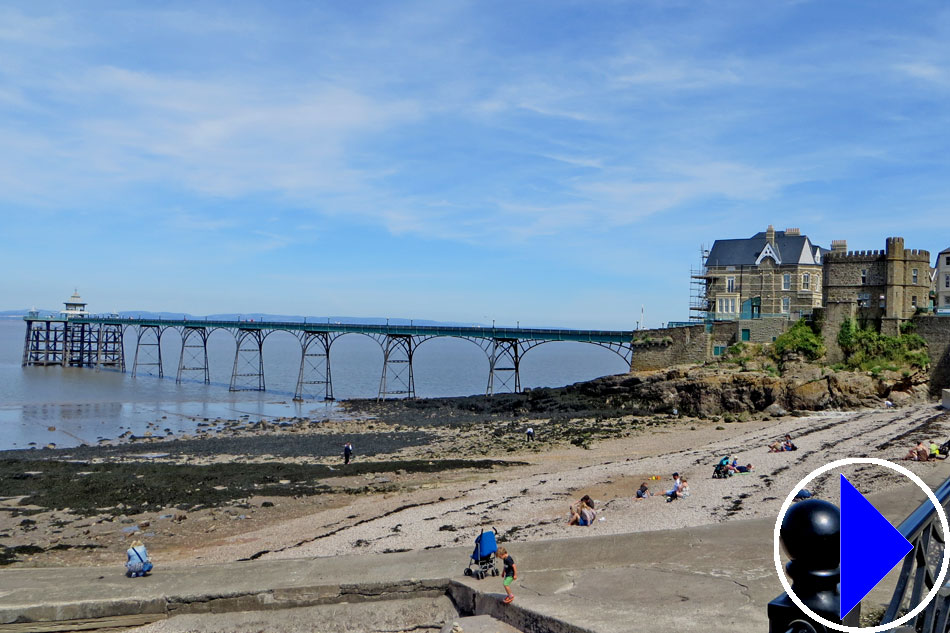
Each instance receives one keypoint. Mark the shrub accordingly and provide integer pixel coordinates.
(868, 349)
(800, 338)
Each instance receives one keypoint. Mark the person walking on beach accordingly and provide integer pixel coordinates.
(347, 453)
(511, 572)
(529, 435)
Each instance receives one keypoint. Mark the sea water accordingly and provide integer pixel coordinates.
(72, 406)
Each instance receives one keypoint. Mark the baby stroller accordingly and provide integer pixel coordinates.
(721, 471)
(483, 557)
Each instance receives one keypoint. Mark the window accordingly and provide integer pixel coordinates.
(914, 275)
(732, 306)
(864, 300)
(947, 262)
(786, 305)
(913, 302)
(786, 281)
(946, 281)
(730, 284)
(883, 302)
(806, 281)
(746, 335)
(718, 350)
(946, 300)
(864, 276)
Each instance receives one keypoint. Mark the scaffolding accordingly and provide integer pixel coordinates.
(698, 283)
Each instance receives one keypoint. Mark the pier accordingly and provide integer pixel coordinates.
(78, 339)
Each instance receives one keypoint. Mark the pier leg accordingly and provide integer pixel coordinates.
(314, 364)
(142, 342)
(397, 377)
(194, 355)
(504, 371)
(26, 344)
(248, 371)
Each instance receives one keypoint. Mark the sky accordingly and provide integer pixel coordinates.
(553, 163)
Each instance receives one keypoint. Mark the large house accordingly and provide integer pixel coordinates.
(771, 273)
(942, 281)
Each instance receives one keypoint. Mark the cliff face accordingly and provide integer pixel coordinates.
(705, 391)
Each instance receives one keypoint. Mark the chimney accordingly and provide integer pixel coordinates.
(792, 232)
(770, 235)
(839, 246)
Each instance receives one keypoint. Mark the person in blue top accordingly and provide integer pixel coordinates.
(137, 562)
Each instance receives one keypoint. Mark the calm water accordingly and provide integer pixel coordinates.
(83, 405)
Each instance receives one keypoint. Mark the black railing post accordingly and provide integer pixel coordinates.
(810, 535)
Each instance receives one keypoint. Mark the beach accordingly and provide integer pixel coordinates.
(281, 490)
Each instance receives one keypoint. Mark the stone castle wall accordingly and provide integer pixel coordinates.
(665, 347)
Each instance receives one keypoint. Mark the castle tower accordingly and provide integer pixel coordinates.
(895, 276)
(839, 246)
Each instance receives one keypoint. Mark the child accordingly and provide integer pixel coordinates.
(511, 572)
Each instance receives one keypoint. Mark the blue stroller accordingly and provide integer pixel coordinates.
(483, 557)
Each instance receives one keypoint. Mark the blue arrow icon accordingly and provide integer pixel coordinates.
(870, 547)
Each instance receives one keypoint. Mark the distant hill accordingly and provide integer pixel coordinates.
(17, 314)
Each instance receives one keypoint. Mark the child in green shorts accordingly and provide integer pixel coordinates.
(511, 572)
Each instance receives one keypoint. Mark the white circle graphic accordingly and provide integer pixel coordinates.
(777, 545)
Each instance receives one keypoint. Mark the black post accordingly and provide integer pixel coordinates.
(810, 534)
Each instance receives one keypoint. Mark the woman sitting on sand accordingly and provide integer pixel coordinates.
(582, 512)
(918, 453)
(643, 491)
(785, 445)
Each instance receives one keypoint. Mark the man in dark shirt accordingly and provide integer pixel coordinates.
(511, 572)
(347, 453)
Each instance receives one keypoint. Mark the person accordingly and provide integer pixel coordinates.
(582, 512)
(919, 453)
(785, 445)
(734, 465)
(137, 561)
(934, 450)
(510, 574)
(671, 493)
(802, 494)
(744, 469)
(681, 492)
(888, 404)
(529, 435)
(347, 453)
(643, 492)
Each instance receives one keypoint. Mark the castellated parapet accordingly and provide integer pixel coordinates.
(892, 283)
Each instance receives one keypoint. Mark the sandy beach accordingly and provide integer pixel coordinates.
(518, 488)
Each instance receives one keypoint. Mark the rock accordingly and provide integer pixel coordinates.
(776, 410)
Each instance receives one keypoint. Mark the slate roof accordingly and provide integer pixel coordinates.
(791, 249)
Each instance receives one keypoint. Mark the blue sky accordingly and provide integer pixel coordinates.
(554, 163)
